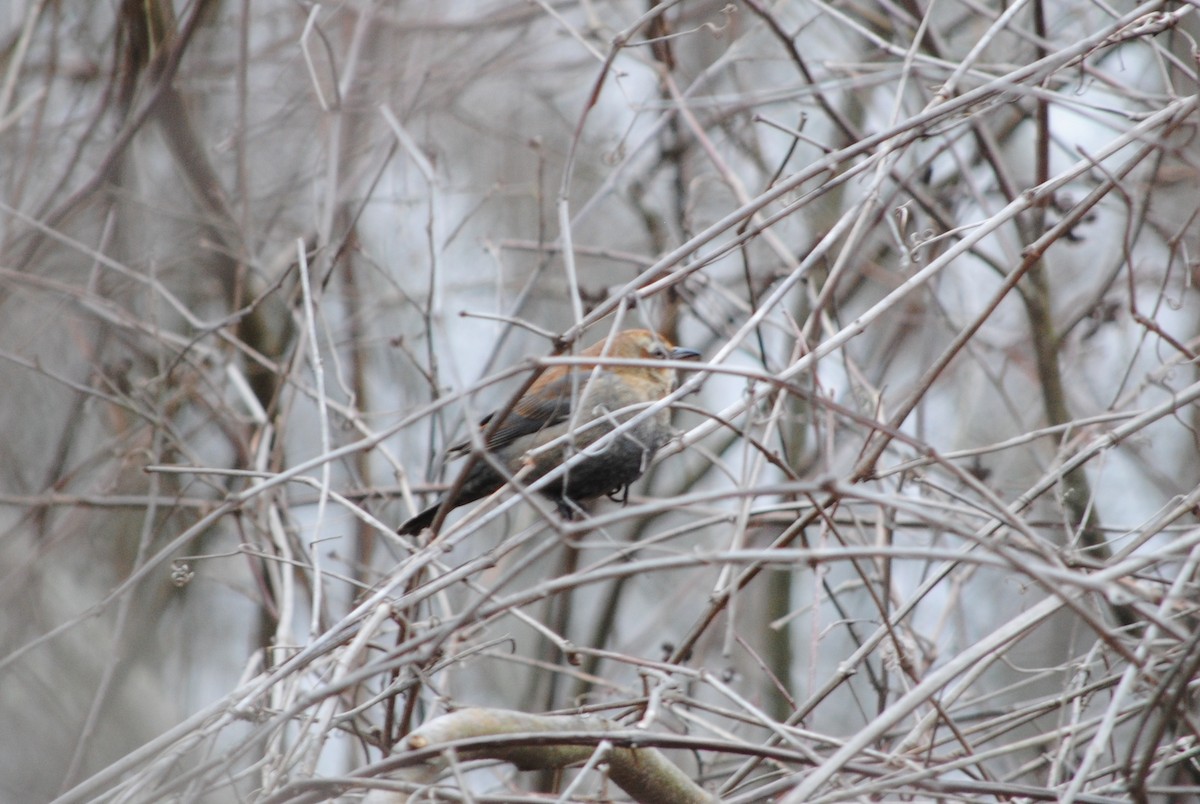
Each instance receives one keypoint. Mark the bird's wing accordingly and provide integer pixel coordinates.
(522, 421)
(544, 407)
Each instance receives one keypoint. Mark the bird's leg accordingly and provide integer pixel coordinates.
(568, 509)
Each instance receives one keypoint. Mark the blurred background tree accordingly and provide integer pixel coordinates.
(930, 524)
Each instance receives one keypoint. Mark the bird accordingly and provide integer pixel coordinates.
(607, 395)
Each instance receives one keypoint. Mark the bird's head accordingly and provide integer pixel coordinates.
(643, 344)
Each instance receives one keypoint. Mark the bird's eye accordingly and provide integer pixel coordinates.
(659, 351)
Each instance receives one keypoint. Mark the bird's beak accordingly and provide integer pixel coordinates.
(679, 353)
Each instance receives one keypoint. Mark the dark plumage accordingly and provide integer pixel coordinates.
(611, 394)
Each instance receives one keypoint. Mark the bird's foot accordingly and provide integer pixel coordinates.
(619, 494)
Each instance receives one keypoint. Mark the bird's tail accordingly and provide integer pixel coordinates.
(419, 522)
